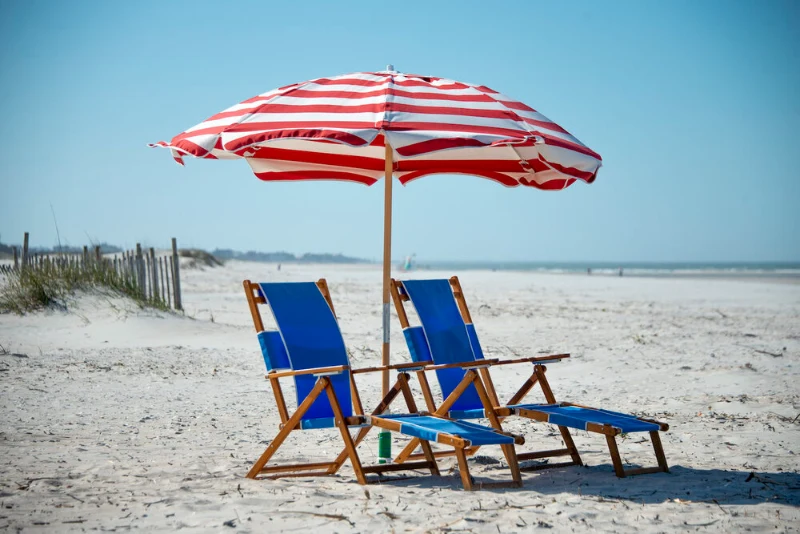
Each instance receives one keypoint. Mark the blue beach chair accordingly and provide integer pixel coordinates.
(308, 347)
(447, 336)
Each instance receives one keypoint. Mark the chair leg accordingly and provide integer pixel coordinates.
(540, 377)
(488, 410)
(513, 464)
(617, 461)
(382, 407)
(659, 450)
(621, 472)
(321, 384)
(348, 440)
(463, 469)
(615, 458)
(342, 458)
(351, 450)
(410, 447)
(569, 446)
(269, 451)
(430, 457)
(573, 450)
(469, 379)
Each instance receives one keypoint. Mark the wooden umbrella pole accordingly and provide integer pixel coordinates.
(387, 261)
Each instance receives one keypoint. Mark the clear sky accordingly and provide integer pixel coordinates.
(694, 106)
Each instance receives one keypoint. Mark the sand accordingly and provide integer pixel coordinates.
(114, 418)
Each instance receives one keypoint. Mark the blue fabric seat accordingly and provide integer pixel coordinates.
(310, 339)
(578, 417)
(427, 427)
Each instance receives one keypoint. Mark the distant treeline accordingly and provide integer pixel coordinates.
(284, 257)
(105, 248)
(223, 254)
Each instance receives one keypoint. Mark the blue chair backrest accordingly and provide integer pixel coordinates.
(443, 337)
(273, 350)
(311, 338)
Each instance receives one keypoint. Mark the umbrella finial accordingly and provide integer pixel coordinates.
(390, 67)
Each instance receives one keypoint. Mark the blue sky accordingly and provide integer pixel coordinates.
(693, 105)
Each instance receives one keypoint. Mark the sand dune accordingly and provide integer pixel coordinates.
(115, 418)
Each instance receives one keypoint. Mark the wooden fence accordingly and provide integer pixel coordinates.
(156, 278)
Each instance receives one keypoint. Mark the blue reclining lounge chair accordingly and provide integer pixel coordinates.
(308, 347)
(447, 335)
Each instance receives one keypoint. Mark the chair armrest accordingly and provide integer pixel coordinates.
(477, 364)
(317, 371)
(535, 359)
(408, 366)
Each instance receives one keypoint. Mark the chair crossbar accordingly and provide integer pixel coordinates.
(295, 467)
(469, 451)
(384, 468)
(543, 454)
(296, 475)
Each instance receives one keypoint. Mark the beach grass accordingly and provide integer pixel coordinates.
(52, 285)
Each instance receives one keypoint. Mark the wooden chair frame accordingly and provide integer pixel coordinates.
(361, 421)
(503, 411)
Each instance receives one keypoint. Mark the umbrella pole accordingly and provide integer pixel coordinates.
(387, 262)
(385, 437)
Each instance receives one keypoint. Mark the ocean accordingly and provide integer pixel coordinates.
(779, 270)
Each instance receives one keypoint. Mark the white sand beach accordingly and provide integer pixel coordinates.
(115, 418)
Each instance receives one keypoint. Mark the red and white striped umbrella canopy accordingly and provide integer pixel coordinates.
(335, 129)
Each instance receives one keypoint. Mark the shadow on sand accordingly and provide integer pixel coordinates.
(681, 484)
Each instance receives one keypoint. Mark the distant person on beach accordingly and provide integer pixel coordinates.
(409, 263)
(620, 271)
(279, 266)
(589, 270)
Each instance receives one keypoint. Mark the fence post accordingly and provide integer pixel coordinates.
(154, 273)
(97, 253)
(176, 281)
(16, 259)
(170, 295)
(147, 272)
(85, 256)
(140, 270)
(161, 274)
(25, 251)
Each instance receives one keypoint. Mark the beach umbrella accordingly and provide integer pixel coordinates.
(365, 126)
